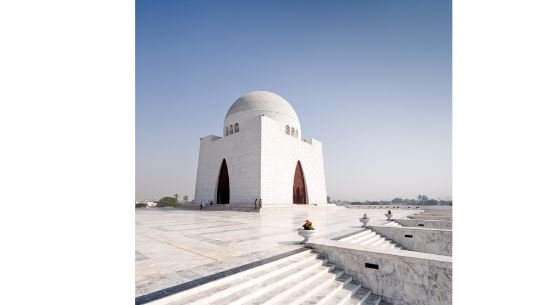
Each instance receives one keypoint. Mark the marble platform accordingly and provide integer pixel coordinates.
(176, 246)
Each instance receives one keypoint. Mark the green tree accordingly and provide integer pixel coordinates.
(431, 202)
(176, 196)
(422, 199)
(167, 202)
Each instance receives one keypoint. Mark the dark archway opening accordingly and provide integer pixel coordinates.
(299, 186)
(223, 185)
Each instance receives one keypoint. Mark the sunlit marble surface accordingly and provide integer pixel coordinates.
(176, 246)
(402, 278)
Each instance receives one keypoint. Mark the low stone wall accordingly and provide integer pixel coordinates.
(435, 241)
(437, 208)
(400, 277)
(435, 214)
(426, 213)
(431, 217)
(432, 224)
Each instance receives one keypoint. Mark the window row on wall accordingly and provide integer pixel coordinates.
(230, 130)
(291, 131)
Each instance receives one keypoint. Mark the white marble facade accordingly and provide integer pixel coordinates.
(261, 144)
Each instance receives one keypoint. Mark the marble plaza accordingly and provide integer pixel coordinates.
(176, 246)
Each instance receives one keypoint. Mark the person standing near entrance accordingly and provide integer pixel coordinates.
(260, 203)
(255, 203)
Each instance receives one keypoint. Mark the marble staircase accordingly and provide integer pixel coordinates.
(392, 223)
(303, 278)
(370, 238)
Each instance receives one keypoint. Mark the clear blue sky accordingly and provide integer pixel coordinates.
(369, 79)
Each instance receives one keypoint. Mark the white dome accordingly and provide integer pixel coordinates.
(262, 101)
(258, 103)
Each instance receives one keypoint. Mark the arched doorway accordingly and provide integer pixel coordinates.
(299, 187)
(223, 185)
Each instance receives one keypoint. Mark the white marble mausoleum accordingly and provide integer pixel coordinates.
(261, 155)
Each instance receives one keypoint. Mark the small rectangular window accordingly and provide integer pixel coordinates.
(408, 236)
(371, 266)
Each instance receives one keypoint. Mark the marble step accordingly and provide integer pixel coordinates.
(228, 285)
(364, 236)
(386, 244)
(355, 237)
(359, 297)
(373, 300)
(371, 240)
(320, 284)
(392, 224)
(298, 284)
(321, 297)
(379, 242)
(259, 288)
(375, 241)
(344, 294)
(394, 246)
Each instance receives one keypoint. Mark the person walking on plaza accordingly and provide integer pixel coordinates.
(255, 203)
(260, 203)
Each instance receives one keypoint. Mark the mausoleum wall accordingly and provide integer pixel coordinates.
(280, 154)
(241, 151)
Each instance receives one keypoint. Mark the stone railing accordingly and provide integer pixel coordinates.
(400, 277)
(431, 217)
(422, 223)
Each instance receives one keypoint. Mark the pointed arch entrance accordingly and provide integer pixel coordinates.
(223, 185)
(299, 193)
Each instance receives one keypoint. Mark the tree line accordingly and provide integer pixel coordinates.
(168, 201)
(419, 200)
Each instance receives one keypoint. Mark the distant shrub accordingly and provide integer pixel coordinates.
(141, 205)
(167, 202)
